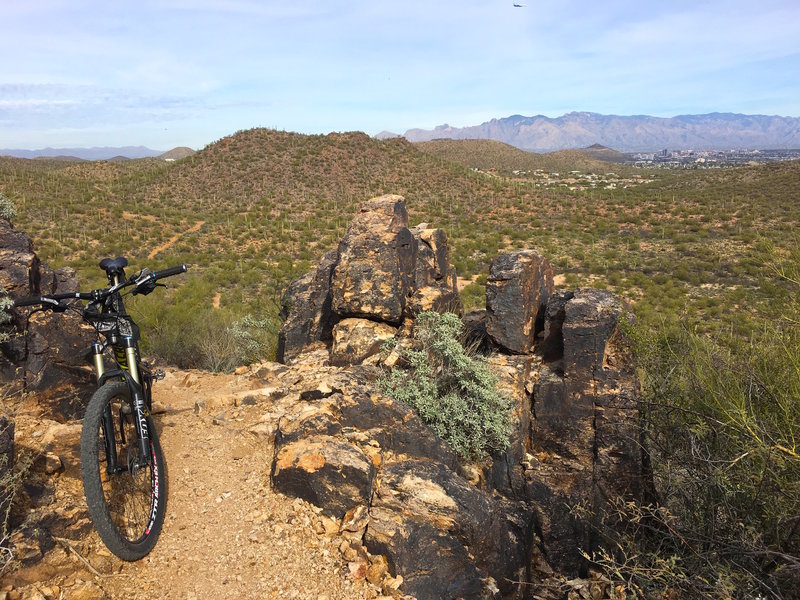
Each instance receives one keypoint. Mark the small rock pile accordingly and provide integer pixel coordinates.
(492, 530)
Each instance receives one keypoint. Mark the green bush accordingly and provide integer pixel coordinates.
(451, 390)
(7, 210)
(473, 296)
(5, 317)
(256, 338)
(721, 422)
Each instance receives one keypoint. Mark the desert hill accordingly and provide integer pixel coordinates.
(177, 153)
(254, 210)
(506, 159)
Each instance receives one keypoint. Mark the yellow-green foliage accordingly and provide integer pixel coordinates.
(453, 392)
(721, 421)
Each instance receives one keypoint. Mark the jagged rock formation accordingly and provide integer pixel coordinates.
(382, 271)
(47, 353)
(449, 529)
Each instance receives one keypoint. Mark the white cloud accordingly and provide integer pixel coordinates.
(317, 66)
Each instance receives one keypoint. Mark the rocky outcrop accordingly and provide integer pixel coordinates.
(19, 265)
(355, 340)
(306, 310)
(377, 256)
(351, 446)
(382, 272)
(450, 529)
(434, 277)
(47, 352)
(585, 437)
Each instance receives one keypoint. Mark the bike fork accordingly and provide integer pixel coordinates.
(139, 407)
(139, 412)
(107, 423)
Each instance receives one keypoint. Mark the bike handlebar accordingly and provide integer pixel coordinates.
(169, 272)
(140, 281)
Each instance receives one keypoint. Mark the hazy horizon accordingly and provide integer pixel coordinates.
(187, 73)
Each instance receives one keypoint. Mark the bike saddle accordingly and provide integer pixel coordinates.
(114, 266)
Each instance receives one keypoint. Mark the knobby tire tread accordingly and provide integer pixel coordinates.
(90, 471)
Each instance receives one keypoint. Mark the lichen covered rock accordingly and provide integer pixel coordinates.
(376, 263)
(355, 340)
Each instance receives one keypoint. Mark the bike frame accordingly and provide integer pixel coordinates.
(122, 337)
(126, 355)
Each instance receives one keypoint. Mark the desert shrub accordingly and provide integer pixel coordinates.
(451, 389)
(224, 347)
(189, 333)
(7, 210)
(721, 423)
(473, 296)
(256, 339)
(5, 315)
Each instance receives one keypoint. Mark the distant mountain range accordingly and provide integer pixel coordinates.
(102, 153)
(641, 133)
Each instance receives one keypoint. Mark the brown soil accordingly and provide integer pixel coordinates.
(170, 242)
(227, 534)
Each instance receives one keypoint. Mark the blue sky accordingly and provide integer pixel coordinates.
(172, 73)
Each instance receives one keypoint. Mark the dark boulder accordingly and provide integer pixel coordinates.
(19, 265)
(519, 286)
(377, 256)
(306, 310)
(434, 565)
(427, 496)
(332, 474)
(47, 352)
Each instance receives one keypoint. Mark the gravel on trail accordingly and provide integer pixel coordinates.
(227, 534)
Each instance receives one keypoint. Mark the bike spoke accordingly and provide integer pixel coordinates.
(128, 493)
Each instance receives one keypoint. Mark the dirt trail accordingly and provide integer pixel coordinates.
(226, 535)
(169, 243)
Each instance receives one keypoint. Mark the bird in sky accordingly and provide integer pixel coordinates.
(518, 5)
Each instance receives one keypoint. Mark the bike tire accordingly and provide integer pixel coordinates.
(128, 507)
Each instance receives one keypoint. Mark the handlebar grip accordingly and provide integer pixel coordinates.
(53, 300)
(169, 272)
(28, 301)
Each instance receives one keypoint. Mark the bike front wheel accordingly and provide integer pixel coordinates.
(127, 504)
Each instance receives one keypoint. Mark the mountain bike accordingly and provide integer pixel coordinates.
(122, 464)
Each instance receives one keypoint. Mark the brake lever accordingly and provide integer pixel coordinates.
(55, 305)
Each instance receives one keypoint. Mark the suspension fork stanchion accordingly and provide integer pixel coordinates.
(140, 412)
(108, 418)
